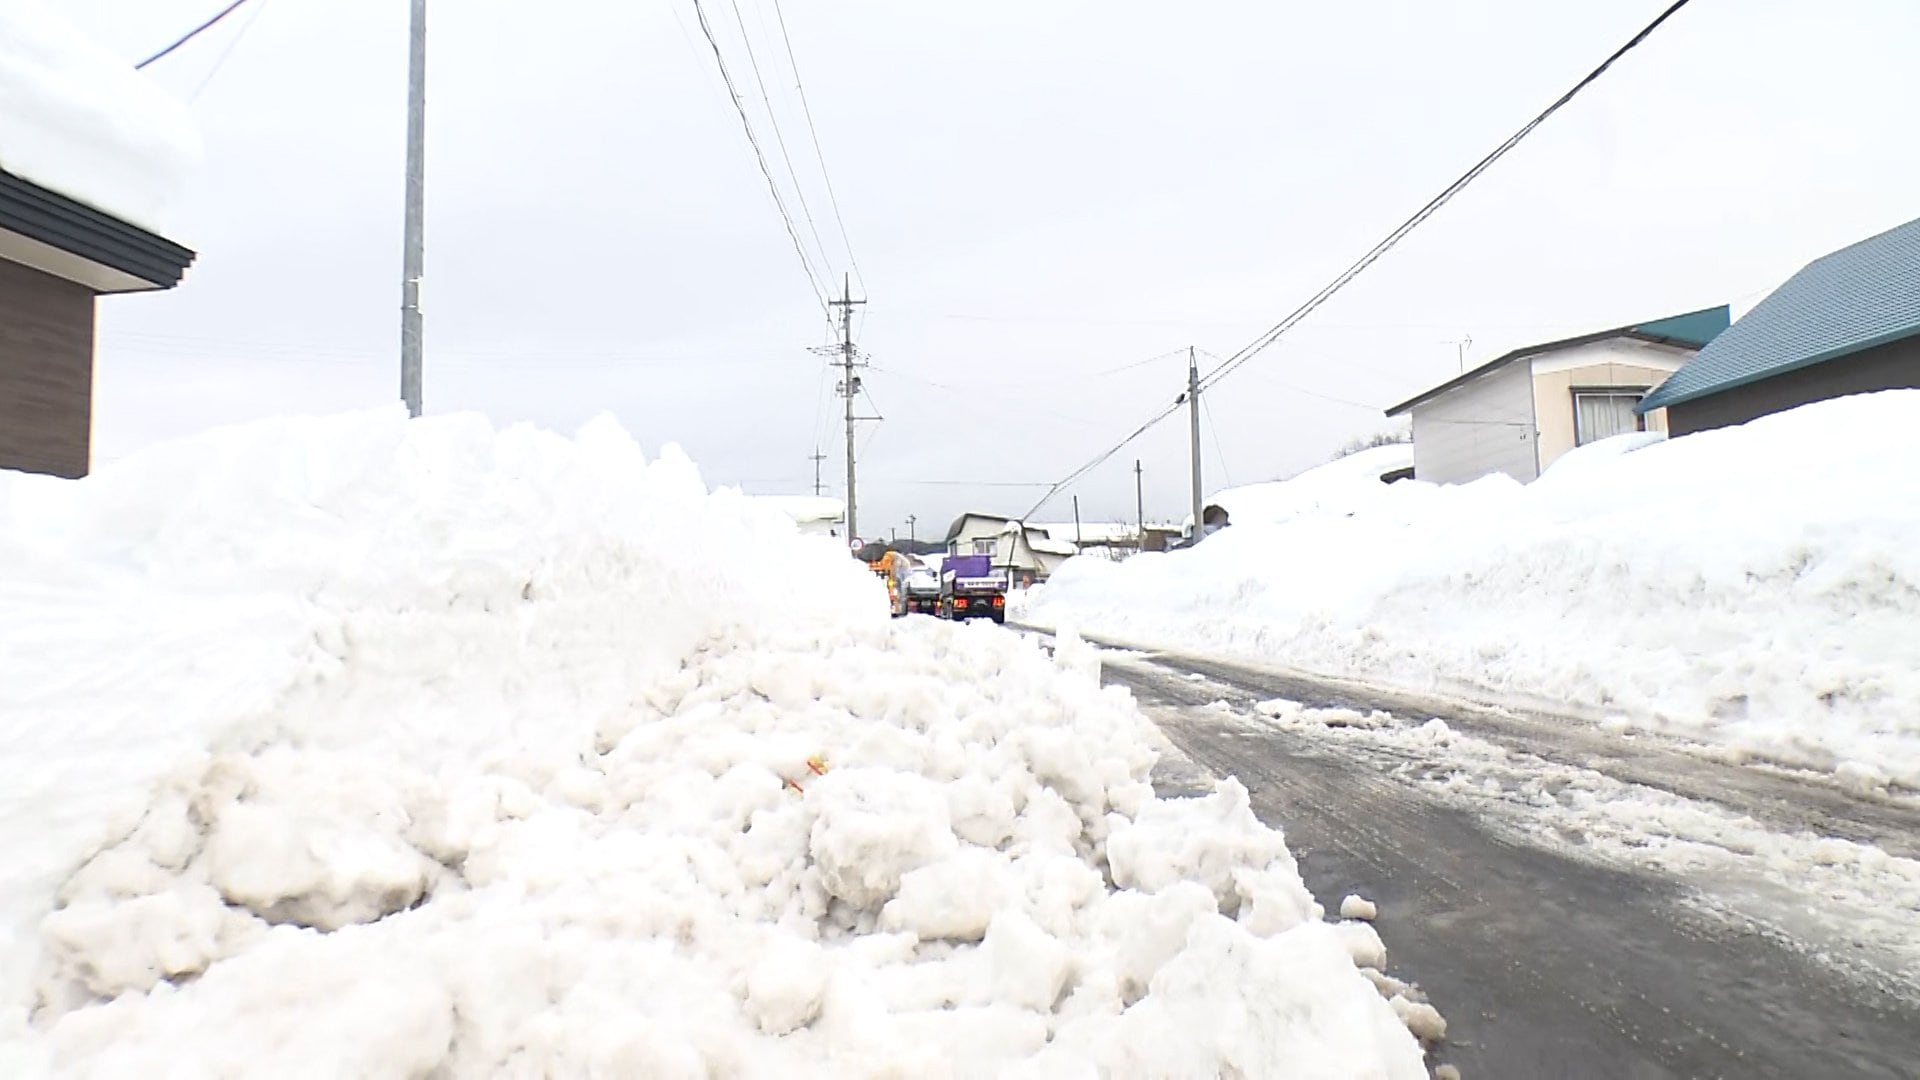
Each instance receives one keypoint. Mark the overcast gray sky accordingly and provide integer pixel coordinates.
(1037, 193)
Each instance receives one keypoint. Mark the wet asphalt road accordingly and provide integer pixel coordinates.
(1544, 965)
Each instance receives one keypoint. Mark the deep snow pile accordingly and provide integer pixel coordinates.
(370, 747)
(1757, 586)
(78, 120)
(1339, 487)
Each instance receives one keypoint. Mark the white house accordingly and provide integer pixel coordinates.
(1017, 548)
(1519, 412)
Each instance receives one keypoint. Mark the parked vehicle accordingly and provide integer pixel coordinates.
(970, 588)
(922, 592)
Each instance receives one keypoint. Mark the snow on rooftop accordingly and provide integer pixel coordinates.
(370, 747)
(79, 121)
(805, 509)
(1755, 587)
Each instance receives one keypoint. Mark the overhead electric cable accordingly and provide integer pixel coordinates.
(1253, 348)
(813, 130)
(780, 139)
(746, 125)
(191, 34)
(1446, 195)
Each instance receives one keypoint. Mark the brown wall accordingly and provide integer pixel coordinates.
(46, 373)
(1891, 366)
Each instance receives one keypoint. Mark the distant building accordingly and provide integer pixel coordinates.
(1516, 414)
(1024, 551)
(1847, 323)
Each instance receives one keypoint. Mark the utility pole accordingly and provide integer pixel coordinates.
(1076, 522)
(414, 259)
(849, 389)
(1139, 508)
(913, 535)
(1193, 412)
(817, 457)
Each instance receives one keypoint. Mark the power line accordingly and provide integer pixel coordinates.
(191, 34)
(733, 94)
(753, 61)
(1446, 195)
(232, 44)
(806, 109)
(1218, 450)
(1238, 359)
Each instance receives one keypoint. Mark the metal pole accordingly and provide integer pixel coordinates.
(1193, 412)
(913, 534)
(1076, 523)
(414, 260)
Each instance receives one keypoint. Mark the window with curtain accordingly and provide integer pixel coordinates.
(1601, 414)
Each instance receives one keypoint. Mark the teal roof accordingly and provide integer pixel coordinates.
(1839, 304)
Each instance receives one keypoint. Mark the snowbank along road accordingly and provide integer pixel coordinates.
(1577, 902)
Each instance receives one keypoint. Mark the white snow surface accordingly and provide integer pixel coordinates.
(1756, 587)
(77, 120)
(374, 747)
(1338, 487)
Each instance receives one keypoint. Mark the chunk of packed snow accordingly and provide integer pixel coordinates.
(77, 120)
(1756, 586)
(1422, 1019)
(375, 747)
(1355, 906)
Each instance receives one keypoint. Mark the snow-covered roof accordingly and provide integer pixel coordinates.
(805, 509)
(80, 122)
(1089, 532)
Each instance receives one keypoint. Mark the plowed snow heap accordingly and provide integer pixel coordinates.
(369, 747)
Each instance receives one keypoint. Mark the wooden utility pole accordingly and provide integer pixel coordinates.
(1139, 508)
(1193, 413)
(817, 457)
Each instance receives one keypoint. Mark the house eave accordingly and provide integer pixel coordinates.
(100, 250)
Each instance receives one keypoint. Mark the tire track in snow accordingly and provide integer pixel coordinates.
(1544, 965)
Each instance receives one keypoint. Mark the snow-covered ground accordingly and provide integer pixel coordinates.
(369, 747)
(1756, 587)
(80, 121)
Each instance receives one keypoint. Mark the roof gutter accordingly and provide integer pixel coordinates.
(49, 218)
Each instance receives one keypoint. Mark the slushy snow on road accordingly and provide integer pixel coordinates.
(361, 746)
(1754, 587)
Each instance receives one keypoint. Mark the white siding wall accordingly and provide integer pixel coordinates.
(1483, 427)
